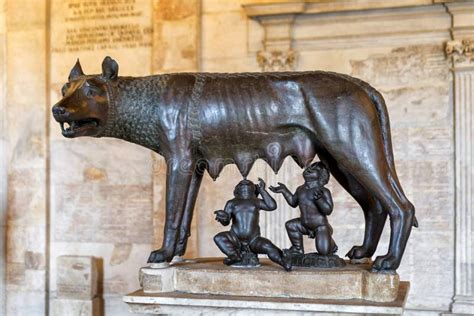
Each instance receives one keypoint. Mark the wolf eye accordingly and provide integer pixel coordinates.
(91, 92)
(64, 89)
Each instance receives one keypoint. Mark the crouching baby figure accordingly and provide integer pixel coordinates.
(243, 242)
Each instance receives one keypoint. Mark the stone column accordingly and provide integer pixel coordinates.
(3, 156)
(277, 55)
(277, 21)
(461, 50)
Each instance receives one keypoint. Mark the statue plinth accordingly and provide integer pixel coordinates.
(207, 283)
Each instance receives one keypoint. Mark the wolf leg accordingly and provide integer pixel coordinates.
(177, 187)
(374, 215)
(185, 230)
(373, 173)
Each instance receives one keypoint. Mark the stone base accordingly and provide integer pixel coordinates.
(463, 305)
(176, 303)
(74, 307)
(211, 276)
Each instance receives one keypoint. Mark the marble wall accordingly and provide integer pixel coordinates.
(105, 197)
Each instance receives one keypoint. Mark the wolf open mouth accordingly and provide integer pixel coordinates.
(72, 127)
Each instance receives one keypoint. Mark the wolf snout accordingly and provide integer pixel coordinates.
(58, 110)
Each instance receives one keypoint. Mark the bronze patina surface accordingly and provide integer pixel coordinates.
(203, 121)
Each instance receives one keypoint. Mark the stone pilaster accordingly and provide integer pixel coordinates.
(464, 134)
(3, 158)
(26, 154)
(277, 21)
(276, 55)
(460, 49)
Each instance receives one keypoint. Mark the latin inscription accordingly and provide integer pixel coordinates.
(103, 24)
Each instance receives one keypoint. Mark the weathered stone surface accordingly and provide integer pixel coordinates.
(175, 303)
(77, 277)
(210, 276)
(176, 35)
(108, 216)
(23, 155)
(74, 307)
(155, 280)
(120, 253)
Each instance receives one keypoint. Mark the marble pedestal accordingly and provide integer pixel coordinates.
(208, 286)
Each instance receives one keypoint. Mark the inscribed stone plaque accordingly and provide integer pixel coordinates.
(92, 29)
(99, 24)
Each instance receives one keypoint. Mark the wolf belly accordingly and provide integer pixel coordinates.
(240, 124)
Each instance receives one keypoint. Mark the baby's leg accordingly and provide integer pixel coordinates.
(229, 245)
(325, 244)
(264, 246)
(295, 231)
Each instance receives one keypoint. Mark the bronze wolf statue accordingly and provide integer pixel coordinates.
(203, 121)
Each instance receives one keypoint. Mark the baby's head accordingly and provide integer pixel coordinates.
(316, 172)
(245, 189)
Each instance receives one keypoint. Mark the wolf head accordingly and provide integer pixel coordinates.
(84, 108)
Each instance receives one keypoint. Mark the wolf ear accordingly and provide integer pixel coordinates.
(76, 71)
(109, 68)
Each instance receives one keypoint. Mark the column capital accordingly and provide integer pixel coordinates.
(276, 60)
(461, 51)
(461, 47)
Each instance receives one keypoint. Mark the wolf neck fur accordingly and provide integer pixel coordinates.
(133, 110)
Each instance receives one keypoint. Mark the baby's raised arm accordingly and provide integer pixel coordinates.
(323, 200)
(291, 199)
(268, 203)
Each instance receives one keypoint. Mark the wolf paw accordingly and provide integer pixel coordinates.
(358, 252)
(160, 255)
(386, 263)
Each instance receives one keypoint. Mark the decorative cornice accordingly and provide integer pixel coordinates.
(258, 9)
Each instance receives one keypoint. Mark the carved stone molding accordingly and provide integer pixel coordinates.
(276, 60)
(461, 51)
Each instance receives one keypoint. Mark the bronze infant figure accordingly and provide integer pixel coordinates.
(203, 121)
(315, 203)
(244, 237)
